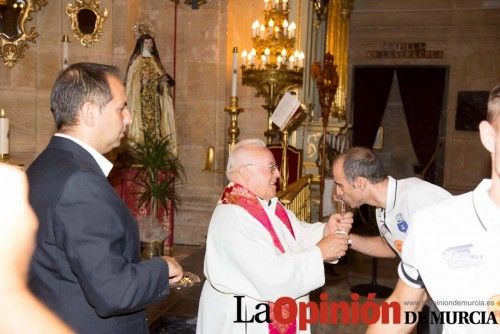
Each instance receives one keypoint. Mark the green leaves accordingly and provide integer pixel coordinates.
(160, 171)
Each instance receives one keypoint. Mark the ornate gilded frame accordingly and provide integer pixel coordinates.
(12, 49)
(72, 10)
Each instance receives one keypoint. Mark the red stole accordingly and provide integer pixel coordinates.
(236, 194)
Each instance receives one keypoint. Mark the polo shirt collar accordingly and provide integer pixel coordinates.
(391, 194)
(487, 211)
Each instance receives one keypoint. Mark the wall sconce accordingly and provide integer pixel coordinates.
(209, 162)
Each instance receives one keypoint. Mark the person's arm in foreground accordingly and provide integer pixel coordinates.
(409, 299)
(375, 246)
(21, 311)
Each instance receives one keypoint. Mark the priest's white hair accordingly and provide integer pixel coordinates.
(238, 156)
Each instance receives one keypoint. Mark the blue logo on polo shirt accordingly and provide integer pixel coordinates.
(402, 224)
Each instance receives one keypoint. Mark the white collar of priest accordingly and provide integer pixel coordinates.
(267, 203)
(146, 53)
(103, 163)
(487, 211)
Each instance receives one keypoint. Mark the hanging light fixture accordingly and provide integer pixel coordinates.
(273, 65)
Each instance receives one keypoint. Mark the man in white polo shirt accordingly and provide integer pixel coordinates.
(360, 178)
(453, 252)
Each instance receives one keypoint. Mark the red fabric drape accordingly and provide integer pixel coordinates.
(122, 180)
(371, 90)
(422, 90)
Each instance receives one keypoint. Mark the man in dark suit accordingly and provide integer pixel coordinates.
(86, 263)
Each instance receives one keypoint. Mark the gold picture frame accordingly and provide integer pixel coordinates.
(87, 19)
(14, 36)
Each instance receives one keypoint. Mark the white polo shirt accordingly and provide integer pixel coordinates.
(453, 250)
(404, 197)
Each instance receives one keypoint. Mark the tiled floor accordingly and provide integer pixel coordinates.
(176, 314)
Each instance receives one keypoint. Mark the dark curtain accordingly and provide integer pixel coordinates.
(371, 90)
(422, 91)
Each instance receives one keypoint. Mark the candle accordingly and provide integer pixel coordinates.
(244, 56)
(4, 133)
(234, 81)
(262, 31)
(285, 27)
(266, 4)
(284, 2)
(283, 53)
(279, 59)
(255, 27)
(291, 29)
(291, 61)
(65, 44)
(271, 26)
(301, 58)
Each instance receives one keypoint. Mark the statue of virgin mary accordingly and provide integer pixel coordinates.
(148, 93)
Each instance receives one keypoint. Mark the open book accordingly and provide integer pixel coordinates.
(285, 110)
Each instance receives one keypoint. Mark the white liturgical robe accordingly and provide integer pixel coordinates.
(242, 260)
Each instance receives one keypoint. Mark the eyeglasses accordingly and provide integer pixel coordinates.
(272, 167)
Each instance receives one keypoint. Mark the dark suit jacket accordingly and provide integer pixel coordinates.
(86, 263)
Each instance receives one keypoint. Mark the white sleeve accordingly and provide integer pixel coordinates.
(307, 234)
(408, 267)
(241, 259)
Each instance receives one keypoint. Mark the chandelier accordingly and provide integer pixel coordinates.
(273, 66)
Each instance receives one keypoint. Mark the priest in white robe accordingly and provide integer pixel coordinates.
(257, 251)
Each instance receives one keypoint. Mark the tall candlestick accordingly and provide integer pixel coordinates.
(4, 134)
(65, 52)
(234, 81)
